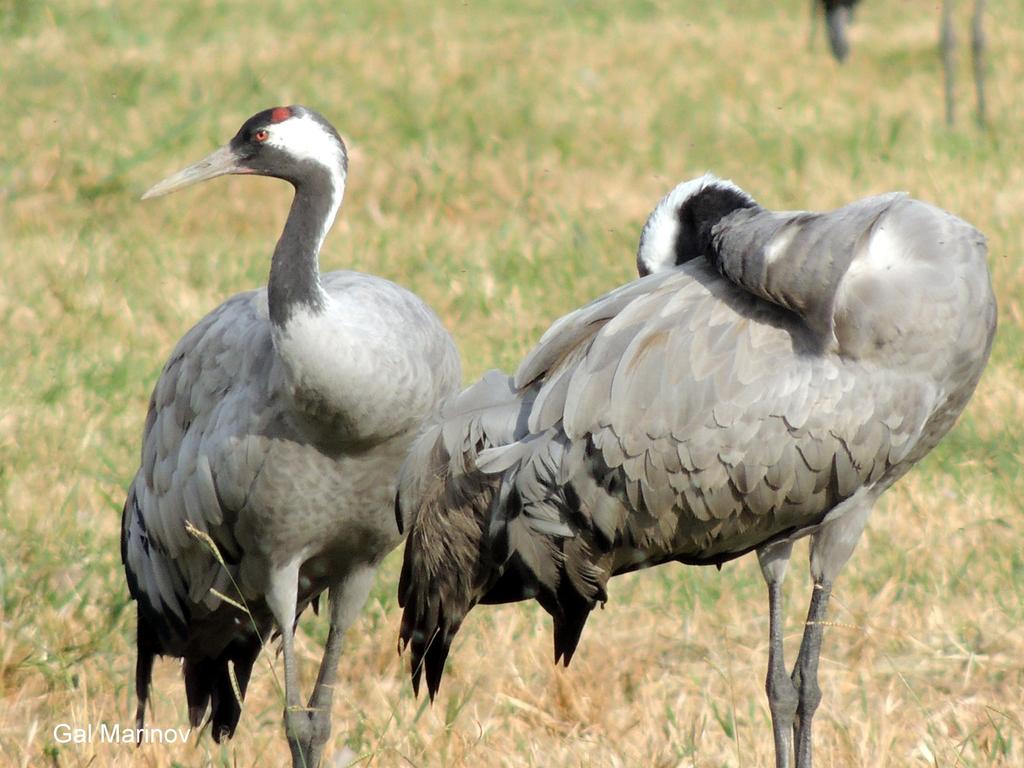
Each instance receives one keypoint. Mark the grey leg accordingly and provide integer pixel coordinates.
(782, 695)
(805, 672)
(346, 602)
(947, 44)
(281, 598)
(316, 718)
(978, 57)
(296, 721)
(831, 547)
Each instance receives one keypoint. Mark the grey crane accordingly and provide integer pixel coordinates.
(837, 18)
(274, 436)
(769, 377)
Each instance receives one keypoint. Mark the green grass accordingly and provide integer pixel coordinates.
(503, 158)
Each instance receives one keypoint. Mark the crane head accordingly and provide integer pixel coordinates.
(676, 229)
(291, 143)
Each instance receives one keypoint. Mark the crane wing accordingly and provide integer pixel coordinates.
(709, 415)
(215, 386)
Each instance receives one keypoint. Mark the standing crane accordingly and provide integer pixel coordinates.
(837, 17)
(768, 379)
(272, 447)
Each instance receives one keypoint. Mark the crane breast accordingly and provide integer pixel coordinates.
(371, 364)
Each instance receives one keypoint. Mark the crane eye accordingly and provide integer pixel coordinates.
(261, 135)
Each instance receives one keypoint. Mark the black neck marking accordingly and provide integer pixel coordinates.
(700, 213)
(294, 271)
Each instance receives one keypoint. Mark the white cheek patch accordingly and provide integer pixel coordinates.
(684, 191)
(658, 242)
(657, 245)
(306, 139)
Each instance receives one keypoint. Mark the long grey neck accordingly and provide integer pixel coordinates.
(294, 271)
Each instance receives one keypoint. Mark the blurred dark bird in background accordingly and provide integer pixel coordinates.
(837, 18)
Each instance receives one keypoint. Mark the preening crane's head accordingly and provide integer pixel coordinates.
(291, 143)
(678, 226)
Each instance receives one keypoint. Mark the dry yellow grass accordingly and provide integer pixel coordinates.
(503, 160)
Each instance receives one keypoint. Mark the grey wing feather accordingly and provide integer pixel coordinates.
(565, 334)
(695, 385)
(208, 374)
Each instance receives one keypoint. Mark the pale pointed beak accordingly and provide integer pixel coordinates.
(217, 163)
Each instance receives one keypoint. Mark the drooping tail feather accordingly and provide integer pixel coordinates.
(208, 686)
(442, 568)
(445, 502)
(146, 650)
(492, 518)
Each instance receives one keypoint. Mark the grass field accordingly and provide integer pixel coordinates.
(503, 158)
